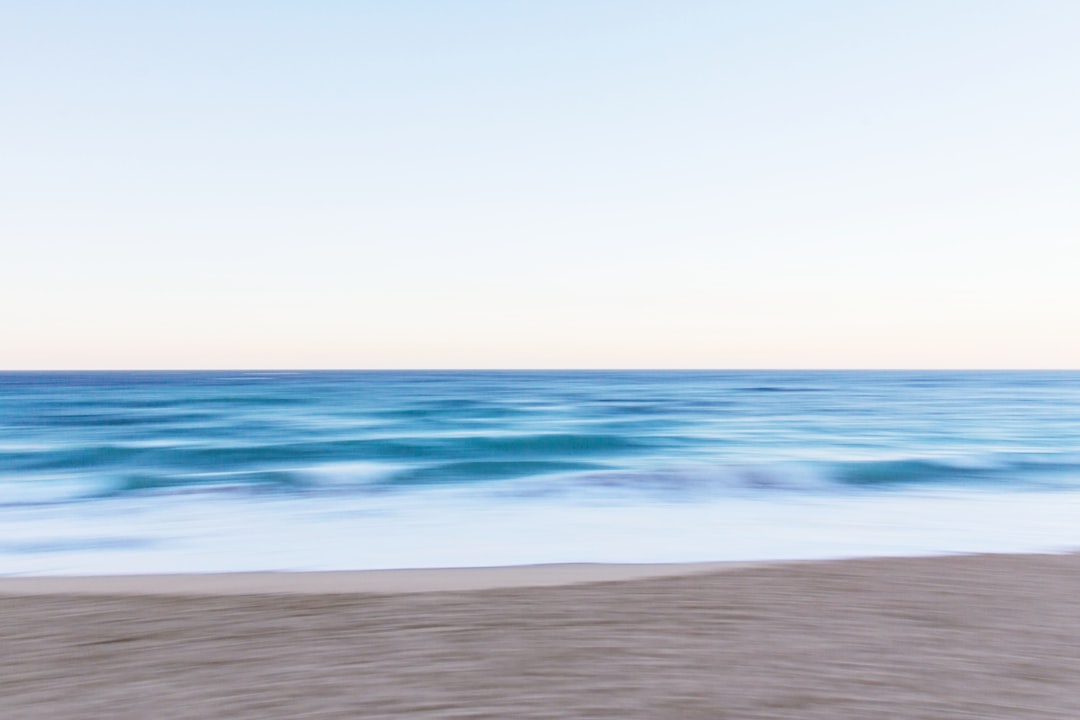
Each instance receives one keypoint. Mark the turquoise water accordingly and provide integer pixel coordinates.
(136, 472)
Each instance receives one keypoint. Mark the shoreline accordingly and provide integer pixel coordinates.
(363, 582)
(404, 581)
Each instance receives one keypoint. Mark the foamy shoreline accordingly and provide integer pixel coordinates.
(382, 582)
(404, 580)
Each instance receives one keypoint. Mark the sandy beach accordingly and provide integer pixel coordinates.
(992, 636)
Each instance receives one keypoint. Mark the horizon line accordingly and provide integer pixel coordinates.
(532, 369)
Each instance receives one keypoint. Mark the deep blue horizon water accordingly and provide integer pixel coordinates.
(117, 472)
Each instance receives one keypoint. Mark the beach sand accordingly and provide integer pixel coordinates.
(936, 638)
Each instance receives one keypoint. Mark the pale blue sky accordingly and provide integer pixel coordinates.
(539, 184)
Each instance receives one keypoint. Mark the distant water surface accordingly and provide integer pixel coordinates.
(204, 471)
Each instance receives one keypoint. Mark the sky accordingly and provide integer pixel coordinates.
(539, 184)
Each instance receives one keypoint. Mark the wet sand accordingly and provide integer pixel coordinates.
(382, 582)
(935, 638)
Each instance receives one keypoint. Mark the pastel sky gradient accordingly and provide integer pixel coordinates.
(542, 183)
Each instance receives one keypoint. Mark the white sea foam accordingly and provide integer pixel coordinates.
(456, 528)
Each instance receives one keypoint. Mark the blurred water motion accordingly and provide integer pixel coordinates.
(127, 472)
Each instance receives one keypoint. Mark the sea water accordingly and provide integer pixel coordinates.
(135, 472)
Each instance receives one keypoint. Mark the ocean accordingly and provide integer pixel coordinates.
(157, 472)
